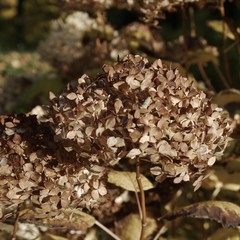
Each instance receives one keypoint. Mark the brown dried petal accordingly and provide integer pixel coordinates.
(133, 153)
(72, 96)
(102, 190)
(95, 194)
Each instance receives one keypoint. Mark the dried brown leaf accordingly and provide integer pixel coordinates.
(226, 213)
(130, 227)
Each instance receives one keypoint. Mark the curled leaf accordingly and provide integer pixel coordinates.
(71, 218)
(226, 213)
(223, 234)
(127, 180)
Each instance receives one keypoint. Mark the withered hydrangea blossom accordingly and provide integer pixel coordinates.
(33, 167)
(81, 40)
(75, 39)
(141, 110)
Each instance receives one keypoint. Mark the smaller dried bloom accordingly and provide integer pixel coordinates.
(34, 168)
(75, 40)
(151, 9)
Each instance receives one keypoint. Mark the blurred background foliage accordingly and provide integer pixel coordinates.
(202, 42)
(44, 45)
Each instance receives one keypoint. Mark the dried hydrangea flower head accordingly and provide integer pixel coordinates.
(136, 109)
(34, 168)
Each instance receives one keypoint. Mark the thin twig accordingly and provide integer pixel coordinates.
(205, 77)
(160, 232)
(193, 33)
(138, 204)
(142, 198)
(225, 57)
(221, 76)
(184, 31)
(137, 199)
(15, 225)
(105, 229)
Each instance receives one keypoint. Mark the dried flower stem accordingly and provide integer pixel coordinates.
(221, 76)
(184, 32)
(139, 204)
(205, 77)
(15, 225)
(105, 229)
(193, 33)
(225, 57)
(142, 198)
(162, 230)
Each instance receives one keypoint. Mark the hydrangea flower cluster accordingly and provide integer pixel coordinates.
(33, 167)
(136, 109)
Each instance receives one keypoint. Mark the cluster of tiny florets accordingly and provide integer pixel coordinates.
(141, 110)
(33, 168)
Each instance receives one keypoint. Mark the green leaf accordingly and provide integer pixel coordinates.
(228, 181)
(228, 97)
(130, 227)
(39, 89)
(54, 237)
(226, 213)
(202, 57)
(127, 180)
(69, 218)
(223, 234)
(6, 227)
(218, 27)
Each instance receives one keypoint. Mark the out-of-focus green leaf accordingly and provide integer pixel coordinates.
(226, 213)
(218, 27)
(230, 181)
(202, 57)
(127, 180)
(6, 227)
(53, 237)
(40, 89)
(234, 165)
(222, 179)
(223, 234)
(225, 97)
(129, 228)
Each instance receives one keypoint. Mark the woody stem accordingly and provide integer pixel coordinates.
(142, 199)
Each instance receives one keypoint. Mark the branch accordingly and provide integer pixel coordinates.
(142, 198)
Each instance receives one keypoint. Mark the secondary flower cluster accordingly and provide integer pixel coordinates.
(33, 167)
(72, 41)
